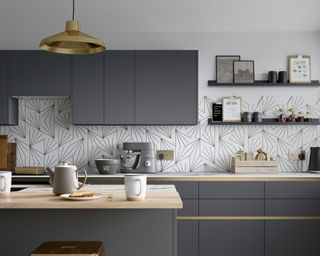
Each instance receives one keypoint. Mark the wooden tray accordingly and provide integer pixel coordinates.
(253, 167)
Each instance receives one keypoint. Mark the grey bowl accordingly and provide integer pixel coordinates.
(108, 166)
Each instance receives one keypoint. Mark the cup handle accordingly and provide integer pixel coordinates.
(140, 187)
(4, 184)
(85, 178)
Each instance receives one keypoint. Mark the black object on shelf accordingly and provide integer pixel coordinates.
(283, 77)
(267, 121)
(314, 83)
(273, 77)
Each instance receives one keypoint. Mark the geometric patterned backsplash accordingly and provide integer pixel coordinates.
(46, 137)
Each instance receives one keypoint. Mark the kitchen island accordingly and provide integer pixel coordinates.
(34, 215)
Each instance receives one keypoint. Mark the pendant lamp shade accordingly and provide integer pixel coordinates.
(72, 41)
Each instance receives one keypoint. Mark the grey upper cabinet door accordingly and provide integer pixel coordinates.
(166, 87)
(119, 87)
(38, 73)
(87, 89)
(8, 105)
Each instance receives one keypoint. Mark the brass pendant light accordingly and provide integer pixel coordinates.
(72, 41)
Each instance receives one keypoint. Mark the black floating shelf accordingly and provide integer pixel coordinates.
(314, 83)
(266, 121)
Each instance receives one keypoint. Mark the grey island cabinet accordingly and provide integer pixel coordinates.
(227, 215)
(8, 105)
(135, 228)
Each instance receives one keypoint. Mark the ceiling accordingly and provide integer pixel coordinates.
(43, 17)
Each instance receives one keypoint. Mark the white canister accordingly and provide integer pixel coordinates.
(5, 181)
(135, 186)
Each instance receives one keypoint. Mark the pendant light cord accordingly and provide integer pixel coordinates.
(73, 9)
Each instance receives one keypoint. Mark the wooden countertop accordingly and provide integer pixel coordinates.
(113, 198)
(171, 176)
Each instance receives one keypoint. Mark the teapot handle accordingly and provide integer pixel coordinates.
(85, 178)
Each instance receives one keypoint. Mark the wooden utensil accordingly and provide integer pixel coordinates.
(11, 156)
(3, 152)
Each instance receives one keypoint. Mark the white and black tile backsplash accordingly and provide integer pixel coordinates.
(45, 137)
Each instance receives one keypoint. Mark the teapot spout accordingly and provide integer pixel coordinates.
(51, 175)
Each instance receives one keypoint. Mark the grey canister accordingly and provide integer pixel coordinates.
(257, 117)
(283, 77)
(273, 77)
(247, 117)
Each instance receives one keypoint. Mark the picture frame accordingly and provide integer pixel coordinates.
(231, 109)
(299, 68)
(224, 68)
(243, 72)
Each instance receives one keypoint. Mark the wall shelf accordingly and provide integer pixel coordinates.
(266, 121)
(314, 83)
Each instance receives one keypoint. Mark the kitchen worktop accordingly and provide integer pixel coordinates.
(193, 176)
(41, 197)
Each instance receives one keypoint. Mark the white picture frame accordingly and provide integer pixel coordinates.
(299, 69)
(231, 109)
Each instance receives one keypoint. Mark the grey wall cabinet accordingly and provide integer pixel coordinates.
(38, 73)
(166, 87)
(8, 105)
(119, 87)
(87, 89)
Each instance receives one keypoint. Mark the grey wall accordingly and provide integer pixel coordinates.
(198, 148)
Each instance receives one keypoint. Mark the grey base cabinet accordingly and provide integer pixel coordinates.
(188, 238)
(229, 238)
(292, 238)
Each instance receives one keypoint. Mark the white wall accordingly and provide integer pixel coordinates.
(204, 148)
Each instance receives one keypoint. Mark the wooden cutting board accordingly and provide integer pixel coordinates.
(3, 152)
(12, 156)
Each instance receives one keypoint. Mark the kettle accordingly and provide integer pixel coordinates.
(314, 162)
(64, 179)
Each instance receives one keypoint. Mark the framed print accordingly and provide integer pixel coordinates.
(243, 72)
(231, 109)
(224, 68)
(300, 69)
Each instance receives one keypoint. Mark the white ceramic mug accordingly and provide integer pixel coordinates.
(135, 186)
(5, 181)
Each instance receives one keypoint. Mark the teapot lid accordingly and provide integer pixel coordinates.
(66, 165)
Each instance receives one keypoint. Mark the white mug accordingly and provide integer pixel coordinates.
(135, 186)
(5, 181)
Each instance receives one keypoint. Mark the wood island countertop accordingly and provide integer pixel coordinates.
(41, 197)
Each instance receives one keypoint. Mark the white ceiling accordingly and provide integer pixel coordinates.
(43, 17)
